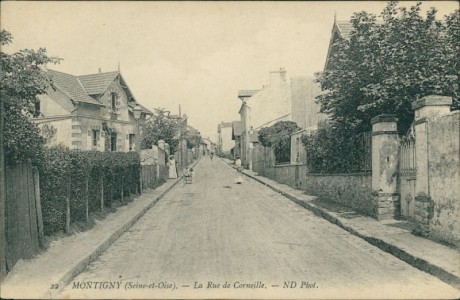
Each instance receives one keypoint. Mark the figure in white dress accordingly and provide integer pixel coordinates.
(239, 169)
(172, 168)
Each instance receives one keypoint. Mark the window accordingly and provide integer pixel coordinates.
(113, 142)
(95, 137)
(131, 142)
(114, 102)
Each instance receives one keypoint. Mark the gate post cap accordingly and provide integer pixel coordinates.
(384, 118)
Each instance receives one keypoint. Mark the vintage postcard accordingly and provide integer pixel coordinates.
(230, 150)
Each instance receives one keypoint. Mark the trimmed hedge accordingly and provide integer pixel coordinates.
(80, 174)
(333, 149)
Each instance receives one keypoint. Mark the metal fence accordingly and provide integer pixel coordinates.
(367, 151)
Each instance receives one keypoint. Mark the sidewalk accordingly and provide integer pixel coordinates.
(392, 236)
(43, 276)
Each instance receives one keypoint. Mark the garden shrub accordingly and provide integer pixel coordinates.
(61, 165)
(334, 149)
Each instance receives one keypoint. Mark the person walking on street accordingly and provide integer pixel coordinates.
(239, 169)
(172, 167)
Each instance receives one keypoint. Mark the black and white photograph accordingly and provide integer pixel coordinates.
(229, 150)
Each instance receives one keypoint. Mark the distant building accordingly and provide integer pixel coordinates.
(91, 112)
(305, 110)
(236, 136)
(263, 108)
(224, 143)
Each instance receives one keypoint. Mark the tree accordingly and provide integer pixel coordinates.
(160, 127)
(193, 140)
(22, 80)
(278, 136)
(388, 63)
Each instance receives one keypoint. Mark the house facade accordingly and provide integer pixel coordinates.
(224, 136)
(91, 112)
(305, 113)
(263, 108)
(236, 137)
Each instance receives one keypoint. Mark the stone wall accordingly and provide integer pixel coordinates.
(443, 170)
(282, 173)
(352, 190)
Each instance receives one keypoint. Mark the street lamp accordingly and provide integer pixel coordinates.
(251, 146)
(137, 111)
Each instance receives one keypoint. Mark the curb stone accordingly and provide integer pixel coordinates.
(79, 267)
(394, 250)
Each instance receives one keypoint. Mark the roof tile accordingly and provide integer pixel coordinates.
(96, 84)
(70, 85)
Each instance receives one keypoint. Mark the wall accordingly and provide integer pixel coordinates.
(276, 96)
(298, 151)
(122, 98)
(57, 106)
(305, 110)
(352, 190)
(55, 103)
(443, 174)
(227, 143)
(285, 174)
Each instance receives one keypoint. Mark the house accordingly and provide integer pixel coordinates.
(224, 143)
(305, 112)
(236, 136)
(91, 112)
(263, 108)
(340, 30)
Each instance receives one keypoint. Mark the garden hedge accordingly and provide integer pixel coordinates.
(76, 173)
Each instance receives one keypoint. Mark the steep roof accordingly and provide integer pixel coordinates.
(98, 83)
(344, 28)
(341, 29)
(72, 87)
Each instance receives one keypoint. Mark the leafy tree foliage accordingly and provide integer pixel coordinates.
(278, 136)
(22, 79)
(193, 140)
(160, 127)
(334, 149)
(389, 62)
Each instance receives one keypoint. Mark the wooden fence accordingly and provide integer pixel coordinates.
(24, 226)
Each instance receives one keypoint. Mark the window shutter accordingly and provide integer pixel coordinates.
(118, 102)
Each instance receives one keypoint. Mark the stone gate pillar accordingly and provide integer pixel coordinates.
(425, 108)
(385, 147)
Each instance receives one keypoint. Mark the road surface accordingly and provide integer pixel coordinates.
(214, 238)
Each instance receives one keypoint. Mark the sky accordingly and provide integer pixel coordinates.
(193, 54)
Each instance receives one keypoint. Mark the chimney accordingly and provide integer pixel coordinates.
(278, 77)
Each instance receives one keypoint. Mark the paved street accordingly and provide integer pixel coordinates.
(216, 231)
